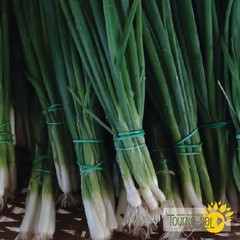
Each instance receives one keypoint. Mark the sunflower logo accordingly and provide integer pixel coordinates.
(216, 215)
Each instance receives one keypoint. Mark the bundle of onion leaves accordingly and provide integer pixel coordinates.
(8, 179)
(78, 98)
(39, 219)
(36, 49)
(172, 91)
(108, 36)
(231, 89)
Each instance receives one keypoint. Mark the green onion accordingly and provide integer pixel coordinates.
(39, 218)
(8, 179)
(108, 36)
(172, 91)
(231, 89)
(96, 187)
(32, 25)
(206, 69)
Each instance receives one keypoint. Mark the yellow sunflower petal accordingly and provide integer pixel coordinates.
(223, 208)
(229, 214)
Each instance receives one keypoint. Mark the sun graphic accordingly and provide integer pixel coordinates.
(216, 215)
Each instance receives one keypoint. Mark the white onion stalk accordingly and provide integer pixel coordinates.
(96, 227)
(32, 212)
(67, 185)
(7, 158)
(99, 209)
(121, 209)
(191, 195)
(4, 182)
(111, 221)
(47, 217)
(8, 179)
(177, 207)
(11, 160)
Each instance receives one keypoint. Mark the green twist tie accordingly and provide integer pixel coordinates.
(182, 144)
(54, 108)
(4, 124)
(215, 125)
(87, 141)
(7, 134)
(55, 123)
(88, 168)
(39, 159)
(127, 136)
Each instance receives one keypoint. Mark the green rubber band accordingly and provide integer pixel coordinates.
(181, 144)
(215, 125)
(55, 123)
(4, 124)
(87, 141)
(189, 153)
(187, 137)
(41, 158)
(6, 141)
(190, 145)
(53, 108)
(41, 170)
(129, 135)
(6, 134)
(238, 136)
(88, 168)
(130, 148)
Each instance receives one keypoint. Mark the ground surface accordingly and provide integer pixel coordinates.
(71, 225)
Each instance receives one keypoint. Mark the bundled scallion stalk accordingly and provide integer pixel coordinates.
(108, 36)
(163, 159)
(231, 89)
(161, 152)
(200, 44)
(7, 157)
(79, 98)
(32, 29)
(173, 93)
(39, 219)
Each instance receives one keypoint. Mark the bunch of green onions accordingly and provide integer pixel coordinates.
(173, 93)
(40, 215)
(231, 88)
(33, 33)
(108, 36)
(165, 165)
(8, 179)
(205, 63)
(86, 62)
(79, 99)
